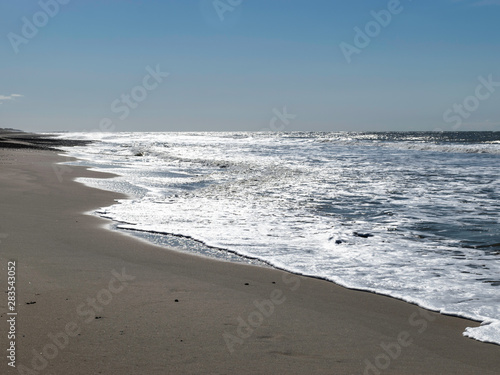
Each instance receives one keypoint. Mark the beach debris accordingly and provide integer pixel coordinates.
(362, 235)
(30, 303)
(176, 300)
(337, 241)
(98, 317)
(247, 284)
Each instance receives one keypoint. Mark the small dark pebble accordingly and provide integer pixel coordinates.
(363, 235)
(98, 317)
(30, 303)
(176, 300)
(338, 242)
(274, 282)
(247, 284)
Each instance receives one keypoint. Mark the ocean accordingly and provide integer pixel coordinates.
(413, 215)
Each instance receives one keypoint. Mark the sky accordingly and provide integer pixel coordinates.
(250, 65)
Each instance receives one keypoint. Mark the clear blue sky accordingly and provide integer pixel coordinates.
(234, 64)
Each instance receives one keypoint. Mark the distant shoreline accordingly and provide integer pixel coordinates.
(18, 139)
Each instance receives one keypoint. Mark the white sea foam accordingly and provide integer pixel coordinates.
(410, 217)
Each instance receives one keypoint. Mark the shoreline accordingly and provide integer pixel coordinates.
(132, 233)
(233, 256)
(182, 313)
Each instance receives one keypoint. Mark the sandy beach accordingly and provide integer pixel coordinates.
(93, 301)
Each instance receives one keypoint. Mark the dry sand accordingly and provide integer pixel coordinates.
(93, 301)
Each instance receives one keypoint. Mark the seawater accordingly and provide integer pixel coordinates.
(415, 216)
